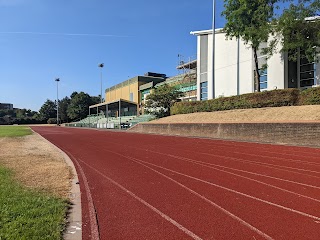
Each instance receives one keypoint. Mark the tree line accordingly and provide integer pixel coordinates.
(71, 108)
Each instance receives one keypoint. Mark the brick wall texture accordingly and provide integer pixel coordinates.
(305, 134)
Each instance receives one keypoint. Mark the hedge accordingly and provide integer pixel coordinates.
(275, 98)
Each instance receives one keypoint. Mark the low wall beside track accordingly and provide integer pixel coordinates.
(304, 134)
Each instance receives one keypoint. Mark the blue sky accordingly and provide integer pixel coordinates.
(129, 37)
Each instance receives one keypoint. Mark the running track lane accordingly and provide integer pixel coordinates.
(137, 186)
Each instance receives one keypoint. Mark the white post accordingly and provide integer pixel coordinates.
(57, 80)
(213, 47)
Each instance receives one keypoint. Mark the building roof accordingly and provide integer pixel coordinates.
(206, 32)
(144, 79)
(188, 65)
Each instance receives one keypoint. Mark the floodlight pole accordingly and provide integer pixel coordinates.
(213, 46)
(57, 80)
(101, 65)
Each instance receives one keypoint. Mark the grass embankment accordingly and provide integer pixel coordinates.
(14, 131)
(27, 213)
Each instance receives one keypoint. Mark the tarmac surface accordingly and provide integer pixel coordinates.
(136, 186)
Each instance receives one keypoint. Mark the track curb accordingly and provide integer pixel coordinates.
(74, 226)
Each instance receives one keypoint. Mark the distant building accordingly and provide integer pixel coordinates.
(234, 68)
(6, 106)
(185, 82)
(124, 98)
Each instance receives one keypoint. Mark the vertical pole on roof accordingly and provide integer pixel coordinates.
(119, 113)
(213, 46)
(97, 116)
(238, 67)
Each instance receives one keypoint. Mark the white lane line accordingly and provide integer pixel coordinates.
(218, 186)
(163, 215)
(258, 174)
(183, 186)
(234, 169)
(254, 180)
(240, 145)
(281, 158)
(263, 164)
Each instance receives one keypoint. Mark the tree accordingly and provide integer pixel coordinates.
(48, 110)
(63, 109)
(79, 105)
(250, 21)
(298, 30)
(161, 100)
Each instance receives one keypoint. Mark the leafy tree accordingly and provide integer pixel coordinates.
(161, 100)
(63, 109)
(250, 21)
(48, 110)
(79, 105)
(298, 31)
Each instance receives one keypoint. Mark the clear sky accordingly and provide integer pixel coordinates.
(41, 40)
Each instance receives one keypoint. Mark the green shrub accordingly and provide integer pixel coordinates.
(275, 98)
(310, 96)
(52, 121)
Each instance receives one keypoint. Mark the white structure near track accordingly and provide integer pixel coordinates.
(234, 68)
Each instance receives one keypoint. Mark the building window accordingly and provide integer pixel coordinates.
(204, 91)
(263, 79)
(131, 97)
(307, 73)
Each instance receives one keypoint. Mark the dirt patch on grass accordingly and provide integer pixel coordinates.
(36, 163)
(276, 114)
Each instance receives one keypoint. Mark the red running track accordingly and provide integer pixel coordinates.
(137, 186)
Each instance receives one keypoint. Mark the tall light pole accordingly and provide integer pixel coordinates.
(213, 45)
(101, 65)
(57, 80)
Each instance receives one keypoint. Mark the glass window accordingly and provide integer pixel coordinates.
(204, 84)
(204, 91)
(307, 73)
(264, 85)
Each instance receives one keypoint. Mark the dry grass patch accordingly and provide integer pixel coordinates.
(36, 164)
(275, 114)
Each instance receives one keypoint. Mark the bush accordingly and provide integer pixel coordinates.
(275, 98)
(52, 121)
(310, 96)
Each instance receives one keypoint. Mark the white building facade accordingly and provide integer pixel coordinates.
(234, 68)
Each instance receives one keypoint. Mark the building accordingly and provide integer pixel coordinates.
(185, 82)
(234, 68)
(123, 99)
(6, 106)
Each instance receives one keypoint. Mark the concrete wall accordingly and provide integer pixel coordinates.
(307, 134)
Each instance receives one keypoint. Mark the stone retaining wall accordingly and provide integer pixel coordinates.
(306, 134)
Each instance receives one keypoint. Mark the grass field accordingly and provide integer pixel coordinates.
(14, 131)
(27, 214)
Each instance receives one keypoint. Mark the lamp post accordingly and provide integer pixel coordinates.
(213, 45)
(57, 80)
(101, 65)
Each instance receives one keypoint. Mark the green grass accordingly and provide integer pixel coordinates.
(14, 131)
(28, 215)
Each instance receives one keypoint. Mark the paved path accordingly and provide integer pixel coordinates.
(137, 186)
